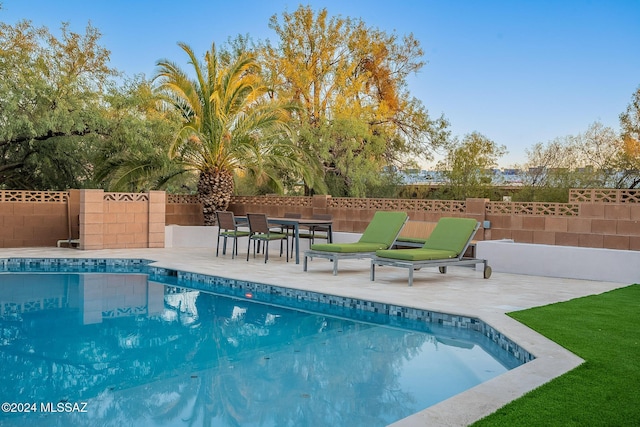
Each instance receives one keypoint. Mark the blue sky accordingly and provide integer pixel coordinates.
(518, 72)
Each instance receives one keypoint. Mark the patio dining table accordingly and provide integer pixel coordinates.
(295, 223)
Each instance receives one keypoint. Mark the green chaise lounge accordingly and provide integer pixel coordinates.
(381, 233)
(445, 246)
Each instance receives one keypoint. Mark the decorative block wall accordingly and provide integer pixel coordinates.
(183, 210)
(600, 218)
(121, 220)
(99, 220)
(33, 218)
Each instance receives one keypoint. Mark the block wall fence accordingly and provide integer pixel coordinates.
(600, 218)
(100, 220)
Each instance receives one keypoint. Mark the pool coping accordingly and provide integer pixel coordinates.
(551, 359)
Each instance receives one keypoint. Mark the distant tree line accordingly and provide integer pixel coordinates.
(598, 158)
(324, 109)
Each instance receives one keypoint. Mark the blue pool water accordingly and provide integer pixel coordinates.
(123, 349)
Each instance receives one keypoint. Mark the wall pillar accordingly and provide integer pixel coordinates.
(73, 214)
(157, 206)
(320, 204)
(91, 219)
(476, 209)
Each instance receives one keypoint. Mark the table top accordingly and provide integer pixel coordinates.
(300, 221)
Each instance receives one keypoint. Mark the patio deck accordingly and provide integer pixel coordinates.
(461, 291)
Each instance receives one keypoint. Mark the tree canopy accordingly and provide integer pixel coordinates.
(468, 166)
(596, 158)
(50, 105)
(326, 107)
(350, 83)
(135, 157)
(229, 125)
(65, 122)
(630, 155)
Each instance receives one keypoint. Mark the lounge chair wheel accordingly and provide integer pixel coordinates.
(442, 270)
(487, 272)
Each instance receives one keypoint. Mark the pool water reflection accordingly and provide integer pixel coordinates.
(145, 353)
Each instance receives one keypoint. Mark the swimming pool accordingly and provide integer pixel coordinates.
(170, 348)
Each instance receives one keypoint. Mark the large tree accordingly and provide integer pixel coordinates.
(51, 109)
(229, 125)
(630, 156)
(135, 156)
(468, 167)
(339, 71)
(549, 172)
(65, 122)
(596, 158)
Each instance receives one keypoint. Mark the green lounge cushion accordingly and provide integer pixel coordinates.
(451, 234)
(447, 240)
(348, 247)
(416, 254)
(384, 227)
(379, 234)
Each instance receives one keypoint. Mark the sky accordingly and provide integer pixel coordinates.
(518, 72)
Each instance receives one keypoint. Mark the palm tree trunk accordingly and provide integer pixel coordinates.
(215, 188)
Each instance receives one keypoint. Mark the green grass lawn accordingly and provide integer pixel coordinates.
(604, 330)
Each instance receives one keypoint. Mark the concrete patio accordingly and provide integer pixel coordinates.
(461, 291)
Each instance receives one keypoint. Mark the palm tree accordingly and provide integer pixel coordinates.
(229, 126)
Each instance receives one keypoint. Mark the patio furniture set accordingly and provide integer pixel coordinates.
(445, 246)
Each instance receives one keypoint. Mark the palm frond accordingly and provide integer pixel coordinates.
(229, 122)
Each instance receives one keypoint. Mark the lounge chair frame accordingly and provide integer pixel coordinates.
(336, 256)
(442, 264)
